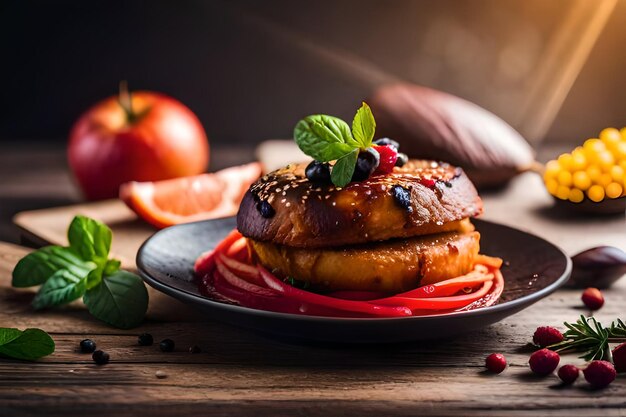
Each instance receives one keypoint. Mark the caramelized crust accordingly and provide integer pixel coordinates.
(308, 215)
(394, 266)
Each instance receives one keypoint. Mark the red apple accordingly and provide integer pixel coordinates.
(145, 136)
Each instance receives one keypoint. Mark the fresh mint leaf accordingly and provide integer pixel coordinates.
(343, 169)
(36, 267)
(60, 288)
(120, 300)
(324, 138)
(364, 126)
(7, 335)
(112, 266)
(90, 239)
(31, 344)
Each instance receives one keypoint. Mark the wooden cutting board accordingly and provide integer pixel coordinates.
(50, 226)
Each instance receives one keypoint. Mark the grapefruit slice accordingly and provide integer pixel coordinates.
(188, 199)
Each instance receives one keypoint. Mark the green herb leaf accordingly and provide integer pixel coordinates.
(7, 335)
(324, 138)
(36, 267)
(28, 345)
(343, 169)
(112, 266)
(60, 288)
(364, 126)
(90, 239)
(120, 300)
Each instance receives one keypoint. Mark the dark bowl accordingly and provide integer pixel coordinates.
(608, 206)
(533, 269)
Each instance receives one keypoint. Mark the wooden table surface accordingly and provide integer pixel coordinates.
(242, 373)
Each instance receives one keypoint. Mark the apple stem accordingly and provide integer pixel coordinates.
(126, 102)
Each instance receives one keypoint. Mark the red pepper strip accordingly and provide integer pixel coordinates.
(247, 272)
(339, 304)
(223, 290)
(242, 284)
(437, 303)
(447, 287)
(206, 262)
(497, 291)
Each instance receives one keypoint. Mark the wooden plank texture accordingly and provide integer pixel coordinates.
(242, 373)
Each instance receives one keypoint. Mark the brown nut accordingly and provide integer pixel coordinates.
(597, 267)
(431, 124)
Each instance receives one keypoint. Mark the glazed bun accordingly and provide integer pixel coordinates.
(422, 197)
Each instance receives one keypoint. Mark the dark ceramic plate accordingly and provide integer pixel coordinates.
(534, 269)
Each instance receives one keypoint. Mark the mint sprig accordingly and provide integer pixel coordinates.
(327, 138)
(28, 345)
(83, 269)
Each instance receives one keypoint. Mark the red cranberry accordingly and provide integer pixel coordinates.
(593, 299)
(600, 373)
(546, 336)
(428, 182)
(544, 361)
(496, 362)
(619, 358)
(568, 373)
(388, 156)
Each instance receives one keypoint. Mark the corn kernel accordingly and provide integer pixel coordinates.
(564, 178)
(576, 196)
(594, 173)
(565, 161)
(614, 190)
(617, 172)
(595, 193)
(622, 131)
(604, 180)
(610, 135)
(552, 169)
(562, 192)
(552, 185)
(619, 152)
(605, 160)
(579, 160)
(581, 180)
(593, 146)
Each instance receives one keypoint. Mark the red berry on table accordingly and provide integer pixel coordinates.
(619, 358)
(544, 361)
(600, 373)
(546, 336)
(593, 299)
(568, 373)
(388, 156)
(496, 362)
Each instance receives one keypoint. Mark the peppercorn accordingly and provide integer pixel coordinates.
(100, 357)
(87, 346)
(145, 339)
(167, 345)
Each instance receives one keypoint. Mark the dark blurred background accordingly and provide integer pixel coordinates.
(250, 69)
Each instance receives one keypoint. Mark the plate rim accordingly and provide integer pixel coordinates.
(509, 305)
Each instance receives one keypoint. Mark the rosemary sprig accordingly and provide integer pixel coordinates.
(588, 336)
